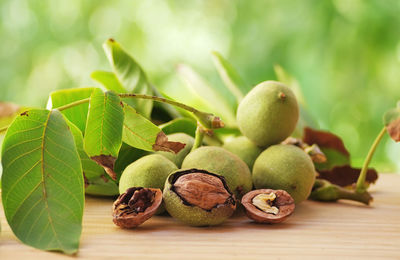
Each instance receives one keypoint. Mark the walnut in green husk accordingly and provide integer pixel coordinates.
(198, 197)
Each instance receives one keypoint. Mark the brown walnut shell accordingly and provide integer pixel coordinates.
(283, 201)
(135, 206)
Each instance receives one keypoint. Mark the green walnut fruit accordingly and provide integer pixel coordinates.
(150, 171)
(182, 138)
(244, 148)
(220, 161)
(268, 114)
(198, 197)
(285, 167)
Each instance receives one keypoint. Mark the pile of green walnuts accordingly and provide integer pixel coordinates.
(204, 187)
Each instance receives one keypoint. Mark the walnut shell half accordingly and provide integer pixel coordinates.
(268, 206)
(135, 206)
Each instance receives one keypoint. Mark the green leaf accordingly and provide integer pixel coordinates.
(96, 181)
(180, 112)
(214, 101)
(103, 135)
(230, 76)
(108, 80)
(89, 167)
(42, 182)
(226, 132)
(76, 114)
(391, 120)
(334, 158)
(111, 82)
(101, 186)
(141, 133)
(180, 125)
(130, 75)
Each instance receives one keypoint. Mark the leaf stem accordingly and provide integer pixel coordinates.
(361, 187)
(3, 129)
(208, 121)
(170, 110)
(159, 99)
(198, 138)
(363, 197)
(73, 104)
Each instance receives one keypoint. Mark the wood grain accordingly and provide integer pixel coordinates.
(317, 230)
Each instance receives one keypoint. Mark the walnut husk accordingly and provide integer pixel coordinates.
(197, 197)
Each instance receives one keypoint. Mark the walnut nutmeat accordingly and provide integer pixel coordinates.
(202, 190)
(265, 201)
(268, 206)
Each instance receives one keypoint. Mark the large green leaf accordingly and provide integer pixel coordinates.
(130, 75)
(141, 133)
(42, 182)
(8, 111)
(215, 102)
(103, 135)
(230, 76)
(76, 114)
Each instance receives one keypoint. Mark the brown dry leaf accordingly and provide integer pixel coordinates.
(324, 140)
(162, 144)
(107, 162)
(394, 130)
(346, 175)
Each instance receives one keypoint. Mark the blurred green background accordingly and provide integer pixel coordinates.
(344, 53)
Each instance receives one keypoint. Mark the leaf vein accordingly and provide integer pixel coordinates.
(19, 179)
(20, 156)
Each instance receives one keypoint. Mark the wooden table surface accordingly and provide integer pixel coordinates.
(317, 230)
